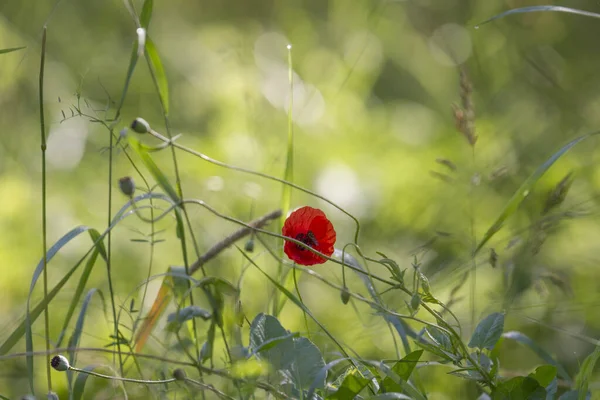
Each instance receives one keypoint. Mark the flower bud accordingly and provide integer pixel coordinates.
(127, 186)
(249, 247)
(60, 363)
(140, 125)
(345, 295)
(179, 374)
(415, 301)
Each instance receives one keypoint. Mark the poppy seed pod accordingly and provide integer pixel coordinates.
(127, 186)
(60, 363)
(311, 227)
(345, 295)
(140, 125)
(179, 374)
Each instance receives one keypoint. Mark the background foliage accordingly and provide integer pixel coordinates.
(375, 132)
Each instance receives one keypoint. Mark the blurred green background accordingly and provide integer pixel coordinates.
(374, 85)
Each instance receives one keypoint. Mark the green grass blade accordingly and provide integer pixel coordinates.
(36, 275)
(513, 204)
(81, 380)
(76, 336)
(133, 58)
(540, 9)
(146, 13)
(158, 175)
(98, 249)
(4, 51)
(158, 73)
(286, 191)
(539, 351)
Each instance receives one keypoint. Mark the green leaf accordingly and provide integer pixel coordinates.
(541, 9)
(158, 74)
(519, 388)
(407, 364)
(488, 331)
(513, 204)
(297, 358)
(351, 386)
(544, 374)
(537, 349)
(4, 51)
(585, 373)
(146, 13)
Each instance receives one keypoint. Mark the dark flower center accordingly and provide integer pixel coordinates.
(308, 239)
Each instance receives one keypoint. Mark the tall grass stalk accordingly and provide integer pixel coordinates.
(44, 215)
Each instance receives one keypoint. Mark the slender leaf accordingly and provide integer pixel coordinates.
(488, 332)
(541, 9)
(4, 51)
(98, 249)
(403, 369)
(158, 73)
(76, 336)
(156, 172)
(537, 349)
(146, 13)
(513, 204)
(82, 378)
(36, 275)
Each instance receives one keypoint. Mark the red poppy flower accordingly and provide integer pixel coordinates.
(311, 227)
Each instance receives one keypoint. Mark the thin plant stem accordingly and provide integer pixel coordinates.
(117, 337)
(44, 215)
(300, 298)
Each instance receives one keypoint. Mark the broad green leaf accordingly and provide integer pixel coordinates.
(488, 331)
(297, 358)
(544, 374)
(585, 373)
(537, 349)
(513, 204)
(519, 388)
(541, 9)
(158, 73)
(4, 51)
(146, 13)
